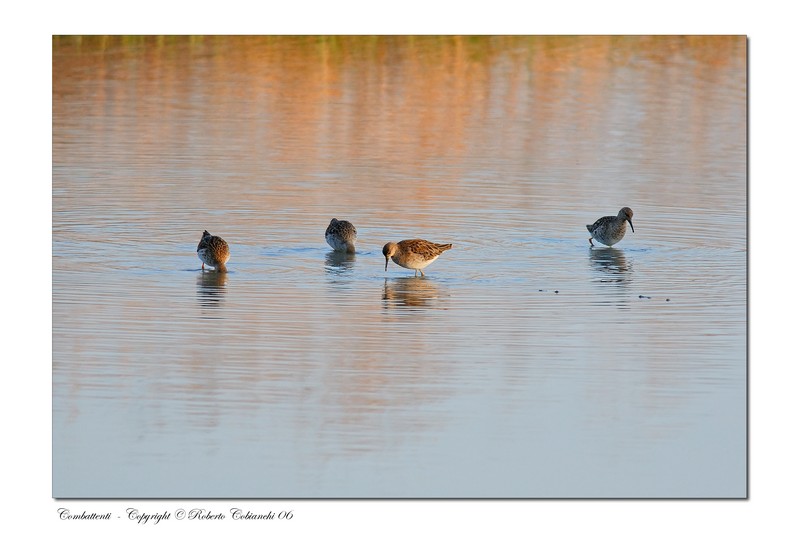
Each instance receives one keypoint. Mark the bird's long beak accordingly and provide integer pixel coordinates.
(631, 225)
(386, 269)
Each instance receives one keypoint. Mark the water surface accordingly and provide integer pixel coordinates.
(525, 364)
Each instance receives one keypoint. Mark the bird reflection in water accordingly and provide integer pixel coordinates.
(211, 288)
(411, 292)
(338, 262)
(611, 264)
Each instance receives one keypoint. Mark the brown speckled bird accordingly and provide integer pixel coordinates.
(213, 251)
(610, 230)
(341, 235)
(414, 254)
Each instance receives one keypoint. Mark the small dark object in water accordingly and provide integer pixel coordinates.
(556, 292)
(668, 299)
(642, 296)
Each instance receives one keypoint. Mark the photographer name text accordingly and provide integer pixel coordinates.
(197, 514)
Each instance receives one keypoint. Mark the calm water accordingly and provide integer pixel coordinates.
(526, 363)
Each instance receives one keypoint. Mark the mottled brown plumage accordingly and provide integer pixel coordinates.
(341, 236)
(414, 254)
(610, 230)
(213, 251)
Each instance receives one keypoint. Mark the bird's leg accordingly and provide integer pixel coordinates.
(589, 240)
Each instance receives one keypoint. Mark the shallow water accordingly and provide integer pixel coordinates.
(524, 364)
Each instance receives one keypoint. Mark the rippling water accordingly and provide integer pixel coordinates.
(525, 364)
